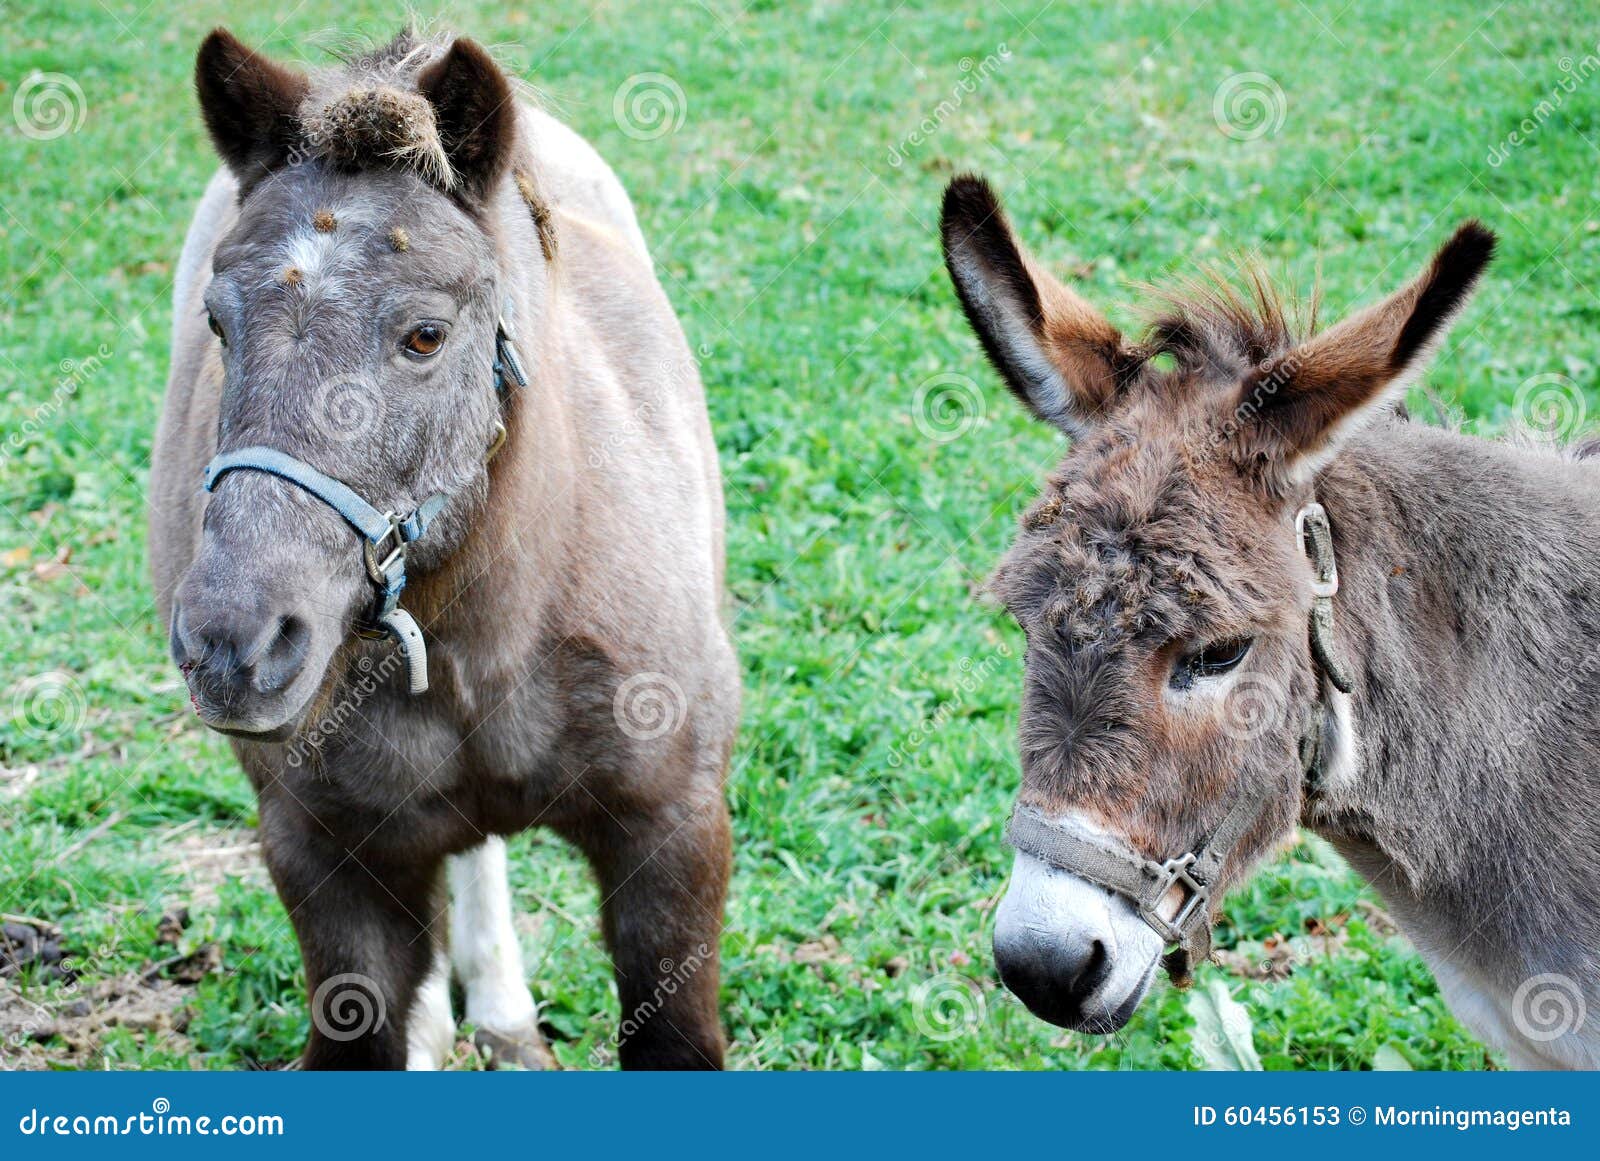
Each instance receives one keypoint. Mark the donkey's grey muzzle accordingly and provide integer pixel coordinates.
(1075, 953)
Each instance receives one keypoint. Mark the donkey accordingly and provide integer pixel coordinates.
(1254, 596)
(418, 338)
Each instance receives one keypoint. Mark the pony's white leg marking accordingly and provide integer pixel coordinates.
(432, 1029)
(483, 944)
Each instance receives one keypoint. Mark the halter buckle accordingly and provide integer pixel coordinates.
(381, 570)
(1164, 877)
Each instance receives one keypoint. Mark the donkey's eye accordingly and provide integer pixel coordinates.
(1212, 661)
(216, 328)
(424, 340)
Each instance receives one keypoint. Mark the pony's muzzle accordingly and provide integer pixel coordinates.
(242, 665)
(1076, 954)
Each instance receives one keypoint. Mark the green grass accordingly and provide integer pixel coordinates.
(805, 267)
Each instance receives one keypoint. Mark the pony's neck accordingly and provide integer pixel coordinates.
(515, 553)
(1470, 607)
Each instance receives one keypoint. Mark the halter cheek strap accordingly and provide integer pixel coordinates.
(385, 536)
(1146, 883)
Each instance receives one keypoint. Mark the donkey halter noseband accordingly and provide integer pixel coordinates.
(385, 535)
(1112, 864)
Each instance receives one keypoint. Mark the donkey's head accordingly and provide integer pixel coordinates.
(1162, 586)
(354, 306)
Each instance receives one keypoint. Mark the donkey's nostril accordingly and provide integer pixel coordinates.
(1093, 971)
(283, 656)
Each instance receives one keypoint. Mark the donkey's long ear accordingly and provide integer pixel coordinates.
(250, 105)
(477, 117)
(1291, 414)
(1056, 352)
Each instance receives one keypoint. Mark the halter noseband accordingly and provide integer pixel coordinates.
(1112, 864)
(385, 535)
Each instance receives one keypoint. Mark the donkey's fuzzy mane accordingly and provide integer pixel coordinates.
(1222, 323)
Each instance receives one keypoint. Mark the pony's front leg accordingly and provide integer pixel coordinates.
(488, 962)
(662, 881)
(365, 931)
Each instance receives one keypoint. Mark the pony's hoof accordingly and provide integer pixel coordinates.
(520, 1048)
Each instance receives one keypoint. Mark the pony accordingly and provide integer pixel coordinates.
(436, 529)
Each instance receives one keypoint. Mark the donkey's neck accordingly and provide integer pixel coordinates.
(1470, 606)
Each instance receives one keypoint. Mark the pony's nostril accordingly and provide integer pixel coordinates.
(282, 658)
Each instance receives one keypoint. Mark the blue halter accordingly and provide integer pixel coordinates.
(385, 535)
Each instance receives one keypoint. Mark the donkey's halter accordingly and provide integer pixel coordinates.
(385, 535)
(1110, 863)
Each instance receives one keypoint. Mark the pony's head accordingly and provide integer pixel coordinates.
(352, 308)
(1160, 581)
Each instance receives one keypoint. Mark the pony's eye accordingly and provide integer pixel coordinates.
(216, 328)
(424, 340)
(1212, 661)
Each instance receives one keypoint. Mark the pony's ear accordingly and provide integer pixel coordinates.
(1056, 352)
(250, 105)
(1292, 413)
(476, 112)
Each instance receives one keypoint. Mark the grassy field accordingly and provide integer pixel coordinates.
(873, 467)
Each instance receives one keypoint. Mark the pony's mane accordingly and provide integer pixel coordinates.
(366, 112)
(1223, 323)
